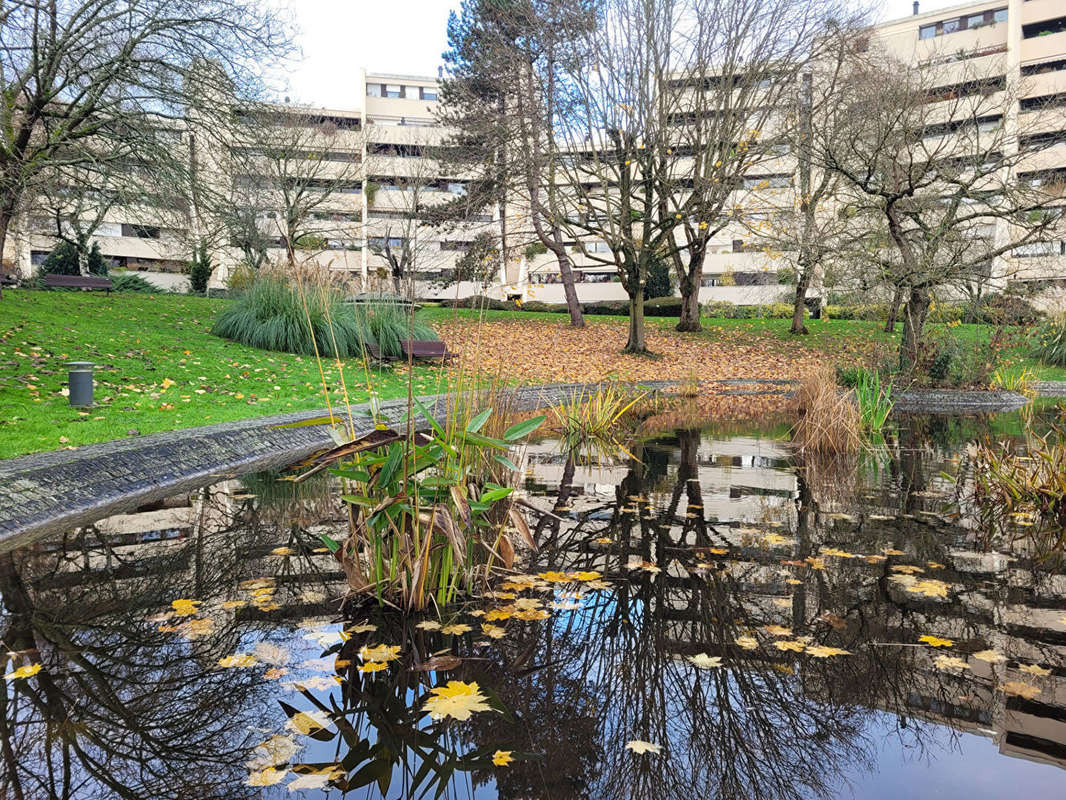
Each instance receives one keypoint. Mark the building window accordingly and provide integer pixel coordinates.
(394, 91)
(1044, 28)
(373, 90)
(927, 32)
(999, 15)
(429, 92)
(951, 26)
(140, 231)
(411, 92)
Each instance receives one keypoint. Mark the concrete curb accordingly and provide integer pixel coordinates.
(63, 489)
(937, 401)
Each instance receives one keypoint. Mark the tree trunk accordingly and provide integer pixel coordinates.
(637, 342)
(5, 222)
(799, 303)
(914, 315)
(893, 311)
(567, 274)
(690, 307)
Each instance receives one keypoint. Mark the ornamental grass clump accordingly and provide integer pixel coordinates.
(276, 314)
(1049, 342)
(874, 399)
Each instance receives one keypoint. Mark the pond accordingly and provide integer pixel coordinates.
(706, 616)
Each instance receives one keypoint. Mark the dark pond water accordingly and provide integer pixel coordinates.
(756, 620)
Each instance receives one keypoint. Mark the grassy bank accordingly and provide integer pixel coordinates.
(160, 370)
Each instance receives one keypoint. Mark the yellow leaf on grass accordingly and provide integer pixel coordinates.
(458, 700)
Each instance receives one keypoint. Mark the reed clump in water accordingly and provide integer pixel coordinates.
(829, 419)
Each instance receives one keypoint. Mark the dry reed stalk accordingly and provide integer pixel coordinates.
(829, 418)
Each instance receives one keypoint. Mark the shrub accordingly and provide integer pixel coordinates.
(271, 316)
(386, 324)
(479, 301)
(63, 260)
(1049, 342)
(663, 307)
(1001, 309)
(95, 262)
(200, 269)
(729, 310)
(536, 305)
(132, 282)
(659, 283)
(608, 307)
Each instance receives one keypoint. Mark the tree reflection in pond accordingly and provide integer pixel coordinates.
(802, 598)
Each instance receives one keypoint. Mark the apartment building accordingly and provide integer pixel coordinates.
(378, 171)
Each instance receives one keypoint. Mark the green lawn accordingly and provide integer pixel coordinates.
(161, 370)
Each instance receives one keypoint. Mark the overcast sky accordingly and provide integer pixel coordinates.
(404, 36)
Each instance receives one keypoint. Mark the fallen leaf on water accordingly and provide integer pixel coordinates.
(935, 641)
(428, 625)
(785, 644)
(1033, 669)
(381, 652)
(747, 642)
(271, 653)
(276, 750)
(274, 673)
(316, 778)
(23, 672)
(318, 683)
(373, 666)
(907, 569)
(640, 748)
(365, 627)
(1019, 689)
(266, 777)
(705, 661)
(991, 656)
(238, 660)
(307, 722)
(493, 631)
(500, 613)
(282, 551)
(950, 662)
(553, 576)
(590, 575)
(531, 614)
(501, 758)
(929, 587)
(778, 630)
(458, 700)
(457, 629)
(184, 607)
(438, 663)
(824, 651)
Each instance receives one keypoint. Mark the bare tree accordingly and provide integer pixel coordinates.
(84, 77)
(292, 170)
(941, 170)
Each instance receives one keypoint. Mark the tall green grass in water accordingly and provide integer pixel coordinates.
(1049, 342)
(874, 399)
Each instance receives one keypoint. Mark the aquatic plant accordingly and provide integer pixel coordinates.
(874, 399)
(424, 525)
(1022, 381)
(589, 417)
(829, 418)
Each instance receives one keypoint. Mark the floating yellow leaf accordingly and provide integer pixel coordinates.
(950, 662)
(889, 551)
(526, 603)
(718, 551)
(501, 758)
(747, 642)
(794, 582)
(705, 661)
(458, 700)
(184, 608)
(1019, 689)
(1033, 669)
(934, 565)
(307, 722)
(373, 666)
(907, 569)
(277, 749)
(823, 651)
(274, 673)
(641, 748)
(238, 660)
(553, 576)
(315, 779)
(282, 551)
(531, 614)
(232, 604)
(935, 641)
(271, 653)
(428, 625)
(266, 777)
(196, 628)
(493, 631)
(832, 551)
(365, 627)
(785, 644)
(381, 652)
(456, 630)
(27, 671)
(815, 563)
(929, 587)
(590, 575)
(778, 630)
(500, 613)
(991, 656)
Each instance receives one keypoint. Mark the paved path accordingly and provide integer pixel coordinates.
(59, 490)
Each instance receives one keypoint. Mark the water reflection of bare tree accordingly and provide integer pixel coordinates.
(123, 708)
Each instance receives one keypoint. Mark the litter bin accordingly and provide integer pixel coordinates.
(80, 382)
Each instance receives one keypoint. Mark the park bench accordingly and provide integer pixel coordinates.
(419, 349)
(374, 352)
(77, 282)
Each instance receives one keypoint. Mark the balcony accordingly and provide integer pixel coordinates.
(1040, 48)
(1040, 10)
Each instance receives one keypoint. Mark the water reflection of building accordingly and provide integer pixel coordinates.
(757, 508)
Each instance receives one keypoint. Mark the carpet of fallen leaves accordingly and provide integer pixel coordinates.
(542, 352)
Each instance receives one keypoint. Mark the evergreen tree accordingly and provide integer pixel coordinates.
(63, 260)
(658, 284)
(96, 263)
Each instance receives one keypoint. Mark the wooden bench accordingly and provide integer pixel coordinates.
(77, 282)
(374, 352)
(421, 349)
